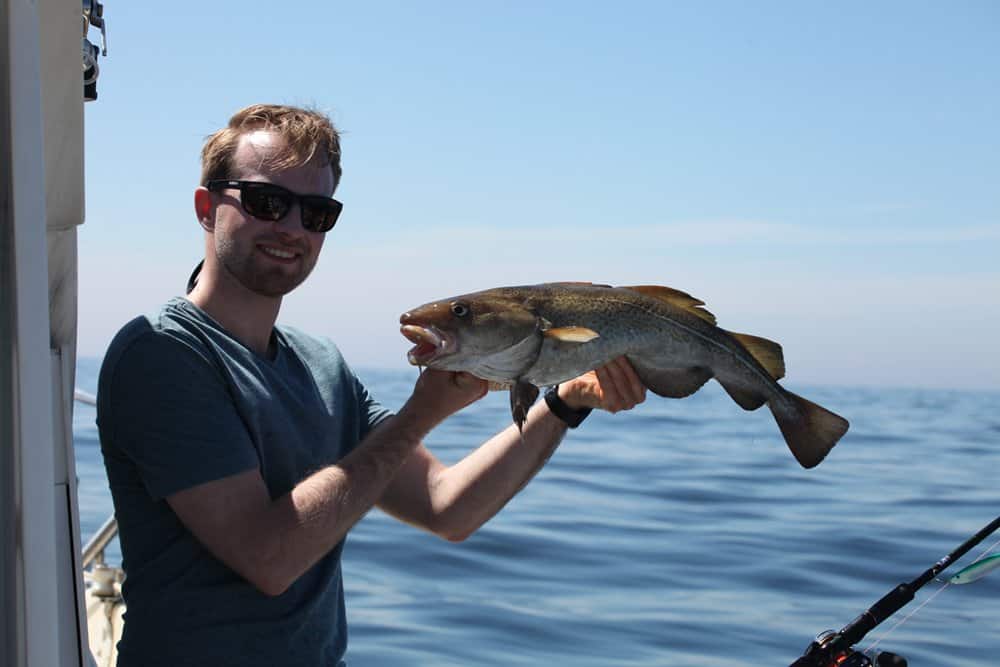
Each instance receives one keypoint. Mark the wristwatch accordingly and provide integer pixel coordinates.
(573, 418)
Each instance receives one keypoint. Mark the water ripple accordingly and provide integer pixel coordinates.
(682, 533)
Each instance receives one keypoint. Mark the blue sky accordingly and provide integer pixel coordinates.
(824, 175)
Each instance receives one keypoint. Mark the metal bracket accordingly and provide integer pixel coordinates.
(93, 15)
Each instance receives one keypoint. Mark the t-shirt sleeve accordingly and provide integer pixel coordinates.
(371, 413)
(172, 416)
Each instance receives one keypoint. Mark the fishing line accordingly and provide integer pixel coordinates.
(946, 583)
(986, 553)
(833, 648)
(868, 651)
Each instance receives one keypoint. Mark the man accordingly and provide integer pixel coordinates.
(239, 453)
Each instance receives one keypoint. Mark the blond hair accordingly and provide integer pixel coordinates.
(308, 135)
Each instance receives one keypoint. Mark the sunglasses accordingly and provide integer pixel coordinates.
(267, 201)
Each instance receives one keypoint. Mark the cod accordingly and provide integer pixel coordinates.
(540, 335)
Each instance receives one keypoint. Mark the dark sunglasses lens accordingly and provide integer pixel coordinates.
(320, 214)
(266, 201)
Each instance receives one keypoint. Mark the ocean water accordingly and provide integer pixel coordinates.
(680, 533)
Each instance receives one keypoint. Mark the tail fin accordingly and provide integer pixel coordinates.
(811, 431)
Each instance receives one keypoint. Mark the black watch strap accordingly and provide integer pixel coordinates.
(573, 418)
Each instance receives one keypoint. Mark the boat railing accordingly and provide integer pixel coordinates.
(84, 397)
(93, 552)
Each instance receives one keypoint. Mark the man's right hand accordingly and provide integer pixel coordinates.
(440, 394)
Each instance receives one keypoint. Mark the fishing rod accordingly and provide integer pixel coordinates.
(831, 648)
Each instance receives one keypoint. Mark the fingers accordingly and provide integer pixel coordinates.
(437, 395)
(612, 387)
(612, 398)
(448, 392)
(621, 388)
(635, 390)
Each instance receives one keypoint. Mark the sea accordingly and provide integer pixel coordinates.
(681, 533)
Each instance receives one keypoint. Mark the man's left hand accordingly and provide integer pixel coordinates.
(612, 387)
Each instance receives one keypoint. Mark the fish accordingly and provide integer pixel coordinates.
(976, 571)
(533, 336)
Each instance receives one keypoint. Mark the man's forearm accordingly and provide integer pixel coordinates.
(473, 490)
(318, 512)
(466, 495)
(272, 542)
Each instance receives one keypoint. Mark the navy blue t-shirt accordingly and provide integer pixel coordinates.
(181, 402)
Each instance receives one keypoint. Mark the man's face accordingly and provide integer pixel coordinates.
(268, 258)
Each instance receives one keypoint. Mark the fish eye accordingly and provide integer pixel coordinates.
(459, 309)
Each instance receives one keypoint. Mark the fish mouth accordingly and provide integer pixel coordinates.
(430, 344)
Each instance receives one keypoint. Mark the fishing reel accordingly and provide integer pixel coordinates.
(819, 654)
(836, 649)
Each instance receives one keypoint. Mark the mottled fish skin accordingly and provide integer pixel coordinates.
(549, 333)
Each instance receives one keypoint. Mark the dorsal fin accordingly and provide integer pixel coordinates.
(675, 298)
(767, 353)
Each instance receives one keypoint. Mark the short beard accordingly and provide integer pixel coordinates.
(242, 266)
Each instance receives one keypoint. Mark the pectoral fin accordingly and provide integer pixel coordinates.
(522, 397)
(571, 334)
